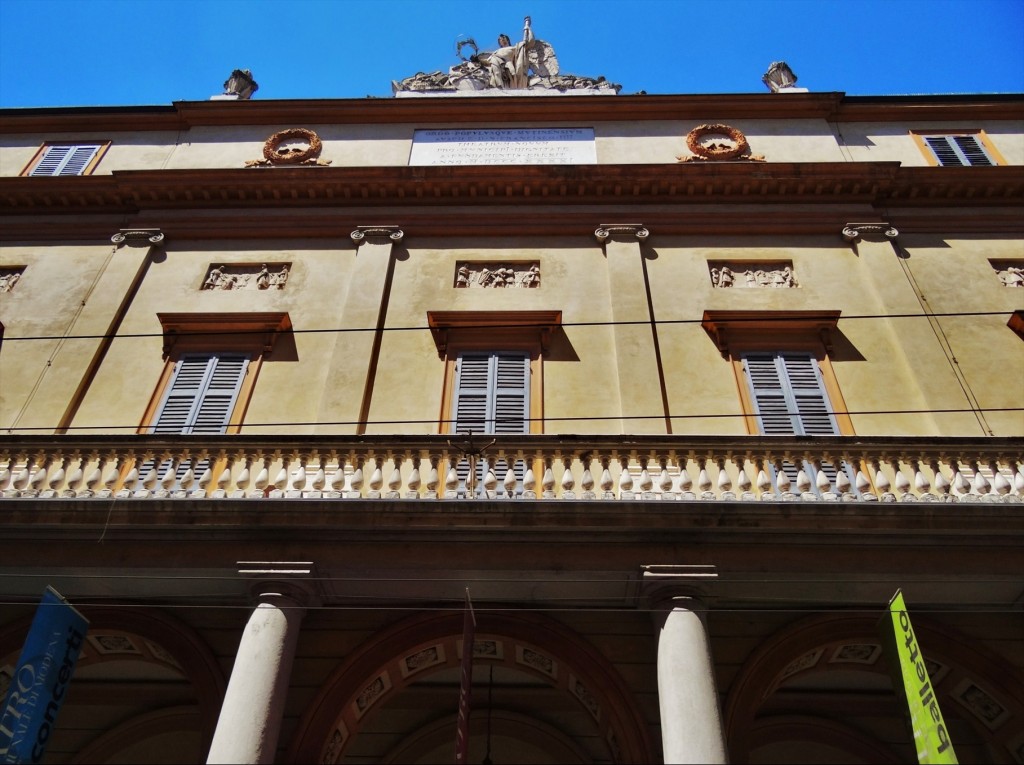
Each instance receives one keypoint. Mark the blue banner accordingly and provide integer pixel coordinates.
(40, 681)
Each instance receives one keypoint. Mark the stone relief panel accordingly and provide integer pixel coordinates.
(9, 276)
(497, 275)
(1010, 272)
(747, 274)
(247, 276)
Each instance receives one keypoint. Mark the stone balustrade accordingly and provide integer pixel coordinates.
(513, 468)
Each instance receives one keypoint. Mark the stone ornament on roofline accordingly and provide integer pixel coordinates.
(294, 146)
(701, 142)
(528, 65)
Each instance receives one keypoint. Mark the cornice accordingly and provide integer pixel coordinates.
(182, 115)
(319, 201)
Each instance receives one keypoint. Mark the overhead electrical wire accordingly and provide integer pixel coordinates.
(759, 319)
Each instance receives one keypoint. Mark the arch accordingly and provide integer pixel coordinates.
(822, 731)
(162, 722)
(401, 654)
(437, 735)
(803, 647)
(185, 649)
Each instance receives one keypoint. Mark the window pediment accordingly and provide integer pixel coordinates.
(247, 332)
(749, 330)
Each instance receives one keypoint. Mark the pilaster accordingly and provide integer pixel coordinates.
(346, 399)
(637, 365)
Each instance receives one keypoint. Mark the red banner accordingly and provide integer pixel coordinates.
(466, 685)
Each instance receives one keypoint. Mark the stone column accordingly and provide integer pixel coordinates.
(346, 398)
(250, 719)
(636, 353)
(691, 725)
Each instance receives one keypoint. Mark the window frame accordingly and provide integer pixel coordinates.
(244, 334)
(41, 152)
(736, 333)
(458, 332)
(981, 136)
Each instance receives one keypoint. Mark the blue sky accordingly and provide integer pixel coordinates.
(124, 52)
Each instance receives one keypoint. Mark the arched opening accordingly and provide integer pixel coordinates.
(554, 698)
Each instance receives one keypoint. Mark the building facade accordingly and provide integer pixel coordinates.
(681, 389)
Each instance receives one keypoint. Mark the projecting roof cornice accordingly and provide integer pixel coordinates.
(183, 115)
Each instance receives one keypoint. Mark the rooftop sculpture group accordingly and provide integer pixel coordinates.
(530, 64)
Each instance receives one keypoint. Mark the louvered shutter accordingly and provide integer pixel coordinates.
(790, 399)
(789, 394)
(65, 160)
(492, 396)
(199, 399)
(958, 150)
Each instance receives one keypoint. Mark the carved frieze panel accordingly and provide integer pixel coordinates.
(9, 276)
(748, 274)
(1010, 272)
(247, 276)
(476, 274)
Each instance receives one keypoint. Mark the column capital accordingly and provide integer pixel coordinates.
(665, 584)
(854, 231)
(282, 580)
(394, 233)
(132, 236)
(605, 231)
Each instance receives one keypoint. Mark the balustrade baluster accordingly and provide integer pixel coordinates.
(415, 481)
(395, 479)
(685, 482)
(587, 481)
(356, 480)
(547, 481)
(883, 485)
(433, 479)
(724, 483)
(337, 482)
(665, 482)
(568, 482)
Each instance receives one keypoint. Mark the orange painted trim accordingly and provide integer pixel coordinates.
(981, 135)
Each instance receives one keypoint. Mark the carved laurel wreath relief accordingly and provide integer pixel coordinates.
(294, 146)
(718, 142)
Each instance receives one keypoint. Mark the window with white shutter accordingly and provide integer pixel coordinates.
(491, 396)
(967, 148)
(789, 394)
(199, 400)
(790, 399)
(66, 159)
(201, 394)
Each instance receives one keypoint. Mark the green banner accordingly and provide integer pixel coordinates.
(910, 679)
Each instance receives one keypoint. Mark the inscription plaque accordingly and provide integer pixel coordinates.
(505, 146)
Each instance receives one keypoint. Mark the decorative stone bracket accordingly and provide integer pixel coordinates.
(606, 230)
(854, 231)
(133, 236)
(394, 233)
